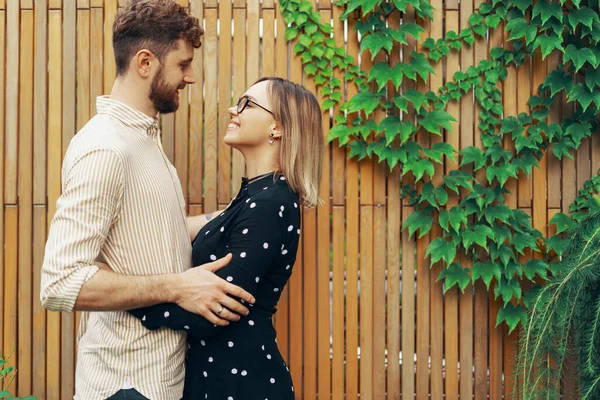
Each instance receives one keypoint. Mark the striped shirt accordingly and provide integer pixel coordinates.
(122, 204)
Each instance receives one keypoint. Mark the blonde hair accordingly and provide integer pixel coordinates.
(302, 142)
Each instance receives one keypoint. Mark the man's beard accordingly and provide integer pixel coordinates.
(164, 98)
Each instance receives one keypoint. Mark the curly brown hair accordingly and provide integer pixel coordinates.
(155, 25)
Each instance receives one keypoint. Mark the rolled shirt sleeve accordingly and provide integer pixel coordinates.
(89, 205)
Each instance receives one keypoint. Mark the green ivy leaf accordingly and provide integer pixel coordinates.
(381, 73)
(584, 15)
(579, 57)
(419, 166)
(486, 271)
(457, 178)
(392, 126)
(455, 275)
(341, 133)
(501, 172)
(291, 33)
(441, 195)
(474, 155)
(579, 131)
(520, 27)
(522, 5)
(440, 249)
(445, 149)
(584, 96)
(428, 195)
(523, 240)
(547, 10)
(498, 211)
(367, 6)
(512, 315)
(434, 119)
(418, 220)
(562, 148)
(557, 244)
(592, 78)
(421, 65)
(457, 217)
(479, 235)
(358, 148)
(507, 289)
(548, 44)
(563, 222)
(501, 233)
(374, 42)
(535, 267)
(366, 101)
(404, 29)
(416, 97)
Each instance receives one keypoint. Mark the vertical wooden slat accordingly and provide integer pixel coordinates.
(224, 152)
(25, 270)
(2, 139)
(295, 325)
(338, 154)
(366, 298)
(39, 313)
(96, 55)
(523, 94)
(182, 140)
(268, 42)
(110, 11)
(379, 299)
(309, 235)
(83, 68)
(210, 111)
(195, 178)
(252, 42)
(553, 163)
(53, 359)
(240, 83)
(352, 254)
(337, 381)
(12, 105)
(39, 103)
(11, 221)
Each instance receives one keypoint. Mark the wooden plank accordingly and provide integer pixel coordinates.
(267, 5)
(53, 343)
(55, 4)
(25, 270)
(295, 324)
(309, 238)
(110, 68)
(211, 4)
(366, 165)
(540, 175)
(583, 163)
(182, 141)
(39, 312)
(237, 3)
(83, 68)
(366, 301)
(553, 163)
(195, 178)
(69, 72)
(379, 300)
(338, 154)
(10, 321)
(352, 256)
(337, 379)
(224, 193)
(96, 54)
(26, 4)
(268, 42)
(211, 73)
(83, 4)
(40, 102)
(11, 103)
(239, 82)
(523, 94)
(281, 47)
(408, 311)
(569, 185)
(2, 136)
(252, 42)
(481, 341)
(96, 3)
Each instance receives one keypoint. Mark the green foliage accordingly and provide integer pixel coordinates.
(491, 234)
(7, 371)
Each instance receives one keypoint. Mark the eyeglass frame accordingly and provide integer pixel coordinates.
(249, 100)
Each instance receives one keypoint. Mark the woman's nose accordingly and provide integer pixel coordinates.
(233, 110)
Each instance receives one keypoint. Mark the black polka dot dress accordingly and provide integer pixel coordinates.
(261, 229)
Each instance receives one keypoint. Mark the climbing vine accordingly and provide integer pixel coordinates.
(480, 225)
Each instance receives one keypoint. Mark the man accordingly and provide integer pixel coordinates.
(120, 239)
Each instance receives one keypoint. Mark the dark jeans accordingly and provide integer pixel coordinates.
(129, 394)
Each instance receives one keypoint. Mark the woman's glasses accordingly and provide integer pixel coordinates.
(244, 101)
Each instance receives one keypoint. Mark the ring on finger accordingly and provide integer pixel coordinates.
(220, 309)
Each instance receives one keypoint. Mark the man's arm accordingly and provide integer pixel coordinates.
(197, 222)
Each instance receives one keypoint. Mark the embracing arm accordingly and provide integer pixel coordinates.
(197, 222)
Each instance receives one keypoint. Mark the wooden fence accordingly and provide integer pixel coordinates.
(400, 337)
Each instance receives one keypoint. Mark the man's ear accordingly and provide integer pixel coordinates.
(145, 62)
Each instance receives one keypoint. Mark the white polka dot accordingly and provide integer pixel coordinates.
(265, 188)
(186, 327)
(205, 374)
(292, 388)
(282, 208)
(263, 347)
(243, 254)
(244, 373)
(144, 318)
(203, 343)
(207, 232)
(247, 200)
(298, 231)
(276, 290)
(282, 178)
(280, 214)
(167, 314)
(266, 245)
(229, 398)
(290, 228)
(252, 205)
(295, 205)
(213, 257)
(284, 252)
(288, 266)
(245, 231)
(230, 344)
(229, 278)
(210, 359)
(234, 371)
(251, 323)
(269, 356)
(257, 279)
(222, 229)
(272, 380)
(282, 246)
(189, 346)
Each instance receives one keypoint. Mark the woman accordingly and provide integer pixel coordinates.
(276, 125)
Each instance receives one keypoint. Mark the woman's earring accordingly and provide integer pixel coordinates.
(272, 138)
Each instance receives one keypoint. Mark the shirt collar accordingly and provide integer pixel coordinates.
(127, 115)
(261, 184)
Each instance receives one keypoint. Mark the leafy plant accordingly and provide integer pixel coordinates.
(9, 372)
(562, 312)
(480, 225)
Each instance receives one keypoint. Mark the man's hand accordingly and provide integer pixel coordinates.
(202, 292)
